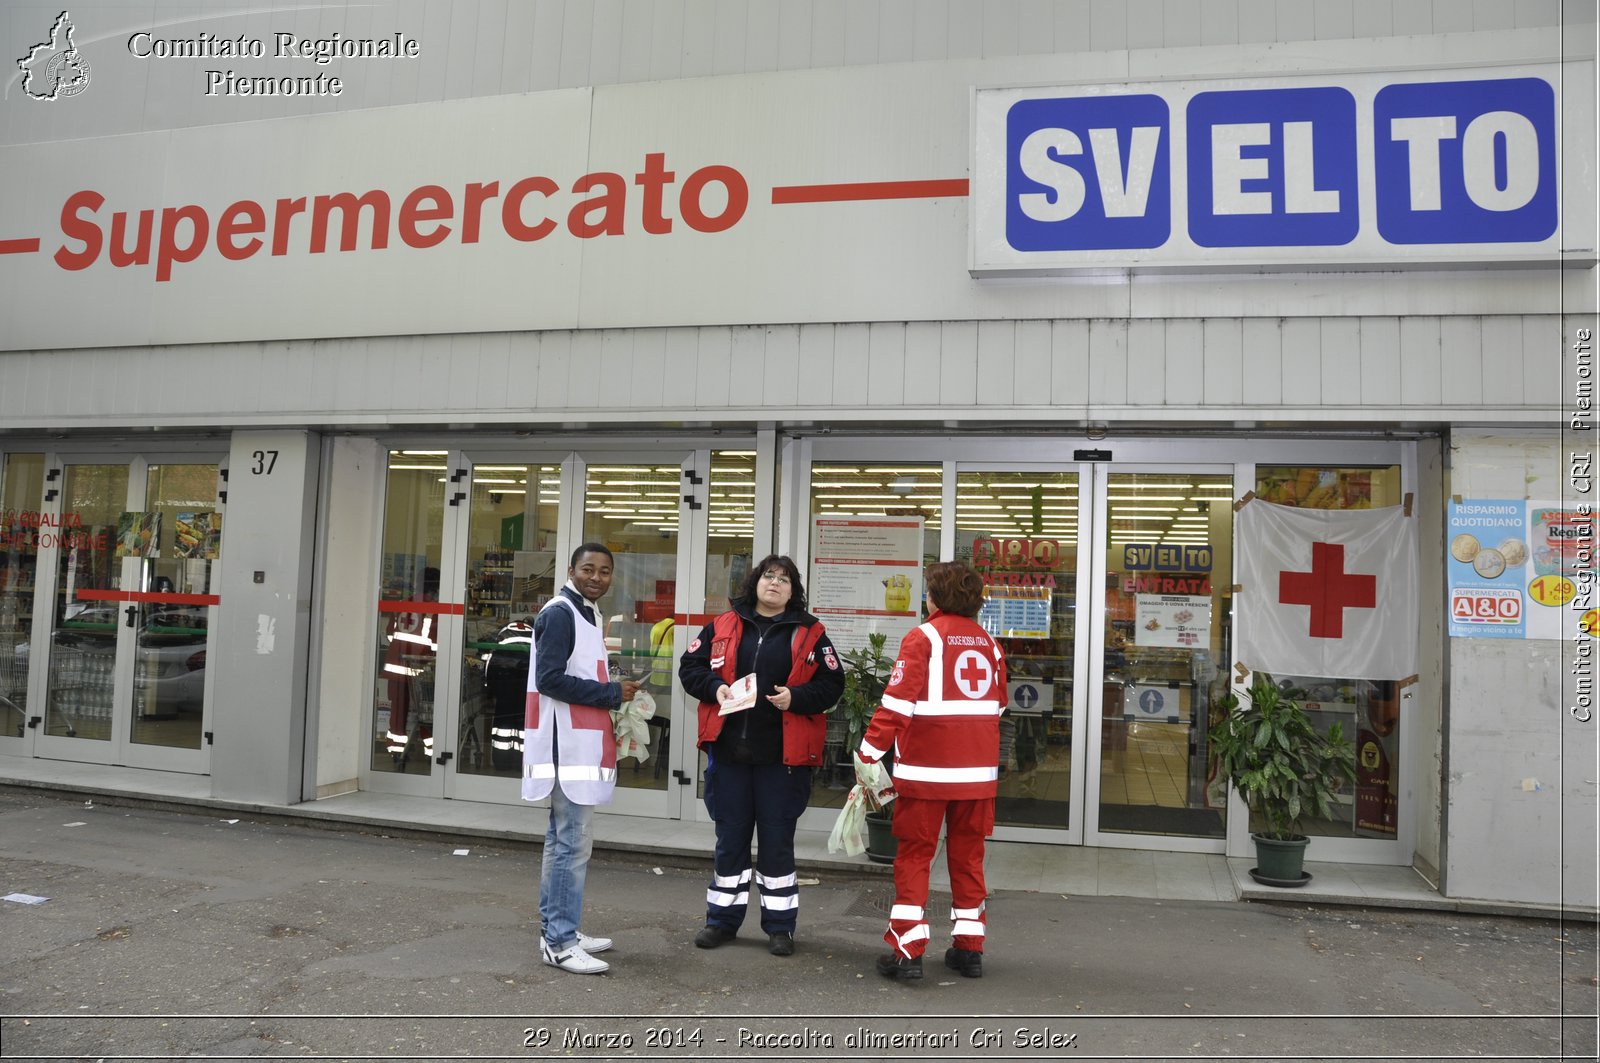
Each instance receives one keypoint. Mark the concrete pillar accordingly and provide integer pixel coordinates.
(263, 637)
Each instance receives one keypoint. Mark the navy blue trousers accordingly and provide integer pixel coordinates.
(760, 802)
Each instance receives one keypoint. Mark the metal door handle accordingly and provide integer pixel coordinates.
(133, 614)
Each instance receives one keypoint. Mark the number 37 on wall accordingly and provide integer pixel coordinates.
(262, 462)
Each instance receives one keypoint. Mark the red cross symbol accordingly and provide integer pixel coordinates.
(973, 674)
(1328, 589)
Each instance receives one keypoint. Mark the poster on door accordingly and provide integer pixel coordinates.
(1515, 567)
(1177, 621)
(866, 578)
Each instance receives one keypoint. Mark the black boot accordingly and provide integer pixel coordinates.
(711, 935)
(893, 965)
(969, 963)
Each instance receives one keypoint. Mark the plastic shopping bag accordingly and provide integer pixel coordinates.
(630, 725)
(876, 781)
(849, 829)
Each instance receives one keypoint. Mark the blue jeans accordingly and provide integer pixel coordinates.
(567, 845)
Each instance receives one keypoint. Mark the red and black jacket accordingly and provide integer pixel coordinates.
(792, 651)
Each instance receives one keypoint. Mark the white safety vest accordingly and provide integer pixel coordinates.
(588, 761)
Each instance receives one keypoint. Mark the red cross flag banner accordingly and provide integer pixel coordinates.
(1327, 592)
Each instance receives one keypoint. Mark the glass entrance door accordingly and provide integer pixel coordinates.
(474, 546)
(1161, 655)
(650, 510)
(131, 550)
(21, 488)
(1108, 588)
(1021, 530)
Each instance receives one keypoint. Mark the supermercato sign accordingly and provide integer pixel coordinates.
(1362, 171)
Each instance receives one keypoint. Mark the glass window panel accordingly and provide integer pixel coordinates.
(21, 488)
(407, 625)
(83, 646)
(511, 573)
(169, 675)
(858, 489)
(1020, 531)
(729, 553)
(633, 510)
(1167, 644)
(1367, 712)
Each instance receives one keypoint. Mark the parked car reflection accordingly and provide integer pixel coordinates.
(169, 657)
(169, 667)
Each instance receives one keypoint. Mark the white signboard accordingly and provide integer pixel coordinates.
(1030, 697)
(866, 578)
(1322, 171)
(641, 205)
(1182, 621)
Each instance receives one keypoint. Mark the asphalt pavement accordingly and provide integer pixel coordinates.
(164, 935)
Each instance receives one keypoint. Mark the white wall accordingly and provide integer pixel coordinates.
(1520, 789)
(1490, 369)
(492, 47)
(341, 708)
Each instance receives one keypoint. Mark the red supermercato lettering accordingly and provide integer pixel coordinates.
(711, 199)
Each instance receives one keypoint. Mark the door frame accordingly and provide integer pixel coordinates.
(798, 453)
(120, 748)
(678, 799)
(1091, 779)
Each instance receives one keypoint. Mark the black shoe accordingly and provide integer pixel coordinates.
(893, 965)
(969, 963)
(711, 935)
(780, 944)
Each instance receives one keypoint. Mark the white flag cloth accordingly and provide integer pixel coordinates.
(1327, 592)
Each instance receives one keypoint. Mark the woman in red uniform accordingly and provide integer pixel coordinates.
(941, 715)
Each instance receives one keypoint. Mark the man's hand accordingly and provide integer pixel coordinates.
(630, 687)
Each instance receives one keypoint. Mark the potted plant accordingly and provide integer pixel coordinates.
(1285, 769)
(866, 673)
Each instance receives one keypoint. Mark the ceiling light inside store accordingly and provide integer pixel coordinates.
(1147, 498)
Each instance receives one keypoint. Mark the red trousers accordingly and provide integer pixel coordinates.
(916, 828)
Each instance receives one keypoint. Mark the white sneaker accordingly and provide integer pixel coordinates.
(585, 942)
(592, 945)
(572, 959)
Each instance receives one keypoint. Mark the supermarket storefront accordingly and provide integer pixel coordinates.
(1058, 330)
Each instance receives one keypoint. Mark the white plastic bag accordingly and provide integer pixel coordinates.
(630, 725)
(876, 781)
(849, 829)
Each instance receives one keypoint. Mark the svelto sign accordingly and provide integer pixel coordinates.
(1359, 171)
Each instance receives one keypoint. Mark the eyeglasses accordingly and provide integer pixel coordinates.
(775, 577)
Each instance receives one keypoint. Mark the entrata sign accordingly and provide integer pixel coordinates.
(1368, 170)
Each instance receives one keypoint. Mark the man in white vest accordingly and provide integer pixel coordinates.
(569, 753)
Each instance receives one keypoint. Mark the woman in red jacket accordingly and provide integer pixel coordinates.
(941, 715)
(759, 760)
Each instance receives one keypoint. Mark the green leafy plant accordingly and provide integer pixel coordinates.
(866, 674)
(1282, 765)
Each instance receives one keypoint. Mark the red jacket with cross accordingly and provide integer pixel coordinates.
(941, 711)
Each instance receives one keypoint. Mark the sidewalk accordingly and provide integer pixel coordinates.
(1075, 870)
(219, 933)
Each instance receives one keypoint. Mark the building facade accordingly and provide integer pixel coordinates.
(330, 332)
